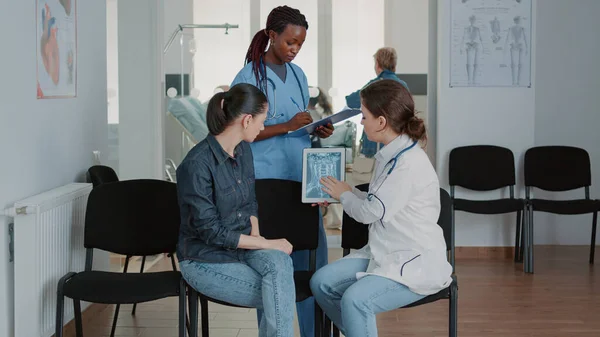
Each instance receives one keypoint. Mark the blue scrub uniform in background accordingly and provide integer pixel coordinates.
(280, 157)
(369, 148)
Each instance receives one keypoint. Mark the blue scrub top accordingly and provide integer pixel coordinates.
(280, 157)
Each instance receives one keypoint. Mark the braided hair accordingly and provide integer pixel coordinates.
(277, 21)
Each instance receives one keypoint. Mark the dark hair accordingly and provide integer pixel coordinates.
(390, 99)
(277, 20)
(241, 99)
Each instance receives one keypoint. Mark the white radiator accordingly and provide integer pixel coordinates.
(48, 243)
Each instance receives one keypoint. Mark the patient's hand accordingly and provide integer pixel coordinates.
(280, 244)
(321, 204)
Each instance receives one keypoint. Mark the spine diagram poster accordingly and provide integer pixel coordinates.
(490, 43)
(56, 39)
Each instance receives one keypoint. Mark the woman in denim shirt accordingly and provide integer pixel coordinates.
(220, 250)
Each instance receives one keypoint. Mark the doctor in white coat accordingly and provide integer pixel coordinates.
(405, 258)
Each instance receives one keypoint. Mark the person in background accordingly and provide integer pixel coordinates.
(385, 68)
(405, 257)
(276, 155)
(220, 250)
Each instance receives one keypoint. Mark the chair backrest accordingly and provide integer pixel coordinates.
(481, 167)
(100, 174)
(133, 217)
(355, 235)
(282, 215)
(557, 168)
(445, 218)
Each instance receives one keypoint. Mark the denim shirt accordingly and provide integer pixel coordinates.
(216, 199)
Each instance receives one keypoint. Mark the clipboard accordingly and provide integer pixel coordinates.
(333, 119)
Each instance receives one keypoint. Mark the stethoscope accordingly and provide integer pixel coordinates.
(274, 115)
(393, 162)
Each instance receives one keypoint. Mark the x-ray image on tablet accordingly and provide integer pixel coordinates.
(318, 163)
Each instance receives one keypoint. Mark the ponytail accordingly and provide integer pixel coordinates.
(216, 115)
(225, 107)
(415, 129)
(255, 51)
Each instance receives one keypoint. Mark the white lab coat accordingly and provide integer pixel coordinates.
(405, 242)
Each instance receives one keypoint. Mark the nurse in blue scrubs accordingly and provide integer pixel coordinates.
(277, 156)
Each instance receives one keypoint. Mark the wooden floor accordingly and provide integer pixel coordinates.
(495, 299)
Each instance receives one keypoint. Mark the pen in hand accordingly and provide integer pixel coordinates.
(297, 105)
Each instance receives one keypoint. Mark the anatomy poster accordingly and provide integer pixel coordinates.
(56, 40)
(490, 43)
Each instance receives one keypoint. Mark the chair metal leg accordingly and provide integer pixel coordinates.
(453, 326)
(77, 313)
(525, 241)
(326, 331)
(141, 271)
(452, 251)
(204, 313)
(60, 304)
(318, 320)
(593, 244)
(521, 247)
(182, 311)
(118, 306)
(518, 238)
(529, 242)
(336, 331)
(60, 314)
(173, 262)
(114, 324)
(193, 311)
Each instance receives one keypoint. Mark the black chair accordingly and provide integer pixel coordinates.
(281, 214)
(486, 168)
(558, 169)
(351, 229)
(137, 218)
(98, 175)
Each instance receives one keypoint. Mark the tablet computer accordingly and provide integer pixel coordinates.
(333, 119)
(318, 163)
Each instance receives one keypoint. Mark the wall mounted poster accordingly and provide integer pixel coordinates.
(56, 40)
(490, 43)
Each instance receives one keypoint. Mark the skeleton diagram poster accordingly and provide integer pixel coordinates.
(490, 43)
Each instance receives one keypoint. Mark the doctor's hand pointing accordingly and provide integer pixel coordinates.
(334, 187)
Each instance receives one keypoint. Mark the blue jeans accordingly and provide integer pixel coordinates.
(263, 279)
(352, 304)
(301, 259)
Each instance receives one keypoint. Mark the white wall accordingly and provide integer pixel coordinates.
(177, 12)
(141, 89)
(560, 109)
(46, 143)
(407, 30)
(567, 101)
(467, 116)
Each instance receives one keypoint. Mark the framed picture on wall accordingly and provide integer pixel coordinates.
(56, 52)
